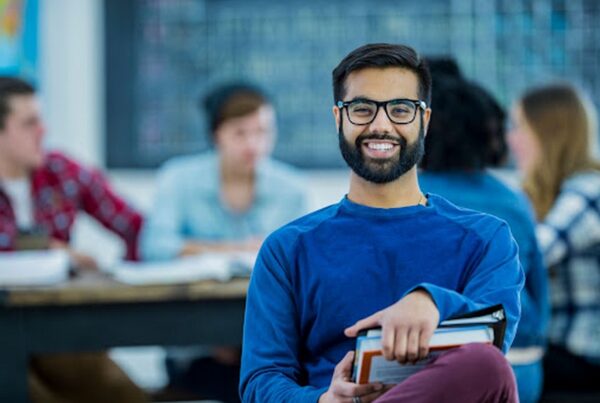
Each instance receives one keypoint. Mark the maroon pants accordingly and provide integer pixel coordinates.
(471, 373)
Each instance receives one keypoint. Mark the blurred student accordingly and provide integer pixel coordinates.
(42, 192)
(465, 137)
(551, 140)
(225, 199)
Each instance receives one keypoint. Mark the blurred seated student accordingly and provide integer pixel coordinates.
(42, 192)
(225, 199)
(554, 129)
(465, 137)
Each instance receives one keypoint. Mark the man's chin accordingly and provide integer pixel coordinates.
(379, 166)
(378, 163)
(378, 176)
(37, 162)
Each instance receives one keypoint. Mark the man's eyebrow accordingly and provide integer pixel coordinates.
(360, 98)
(363, 98)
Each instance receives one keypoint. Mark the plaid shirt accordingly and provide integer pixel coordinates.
(570, 240)
(61, 188)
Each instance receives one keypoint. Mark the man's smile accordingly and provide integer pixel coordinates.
(380, 148)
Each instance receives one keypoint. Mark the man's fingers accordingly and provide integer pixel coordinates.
(388, 343)
(363, 390)
(412, 345)
(343, 368)
(369, 397)
(366, 323)
(424, 338)
(348, 389)
(400, 345)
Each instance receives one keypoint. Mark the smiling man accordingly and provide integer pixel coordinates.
(386, 255)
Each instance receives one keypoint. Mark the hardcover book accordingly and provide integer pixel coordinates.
(482, 326)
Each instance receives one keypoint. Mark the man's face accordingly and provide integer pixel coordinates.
(381, 151)
(244, 141)
(523, 142)
(21, 136)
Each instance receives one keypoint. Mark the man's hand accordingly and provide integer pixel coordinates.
(406, 327)
(80, 261)
(342, 389)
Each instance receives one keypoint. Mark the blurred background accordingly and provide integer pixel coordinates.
(120, 79)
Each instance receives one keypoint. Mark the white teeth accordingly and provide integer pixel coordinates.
(380, 146)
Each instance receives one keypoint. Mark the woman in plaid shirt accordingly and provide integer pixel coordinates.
(554, 130)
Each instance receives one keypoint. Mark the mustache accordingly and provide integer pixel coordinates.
(374, 136)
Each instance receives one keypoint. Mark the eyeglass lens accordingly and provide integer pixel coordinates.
(398, 111)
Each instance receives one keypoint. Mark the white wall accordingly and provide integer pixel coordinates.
(71, 72)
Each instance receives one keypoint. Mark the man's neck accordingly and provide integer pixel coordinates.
(10, 171)
(402, 192)
(231, 174)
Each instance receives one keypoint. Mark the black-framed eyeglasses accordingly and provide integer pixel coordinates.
(399, 111)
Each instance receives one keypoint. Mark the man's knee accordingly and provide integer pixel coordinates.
(489, 370)
(485, 359)
(471, 373)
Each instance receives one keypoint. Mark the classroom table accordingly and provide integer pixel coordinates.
(94, 312)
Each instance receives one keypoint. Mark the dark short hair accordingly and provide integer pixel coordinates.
(232, 100)
(466, 129)
(381, 55)
(9, 87)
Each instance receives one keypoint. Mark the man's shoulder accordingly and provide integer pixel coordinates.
(193, 171)
(465, 218)
(56, 160)
(189, 163)
(304, 225)
(60, 166)
(281, 173)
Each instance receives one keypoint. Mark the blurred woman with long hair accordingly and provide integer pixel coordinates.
(553, 140)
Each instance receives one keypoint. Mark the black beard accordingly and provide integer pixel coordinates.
(382, 170)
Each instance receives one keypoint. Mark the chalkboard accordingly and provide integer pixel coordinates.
(161, 55)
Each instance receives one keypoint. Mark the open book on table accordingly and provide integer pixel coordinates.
(482, 326)
(32, 268)
(207, 266)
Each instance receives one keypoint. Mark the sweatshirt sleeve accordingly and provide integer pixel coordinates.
(271, 370)
(162, 237)
(496, 277)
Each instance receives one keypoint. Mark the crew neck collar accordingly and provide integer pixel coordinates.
(363, 210)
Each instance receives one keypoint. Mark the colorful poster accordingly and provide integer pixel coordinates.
(19, 38)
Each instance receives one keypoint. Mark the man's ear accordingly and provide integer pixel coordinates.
(337, 116)
(426, 117)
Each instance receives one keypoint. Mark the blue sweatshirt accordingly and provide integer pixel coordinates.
(321, 273)
(473, 190)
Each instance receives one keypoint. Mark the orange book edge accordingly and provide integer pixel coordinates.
(368, 356)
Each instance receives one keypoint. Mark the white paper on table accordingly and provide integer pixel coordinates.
(208, 266)
(33, 268)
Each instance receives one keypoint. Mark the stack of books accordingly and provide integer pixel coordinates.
(482, 326)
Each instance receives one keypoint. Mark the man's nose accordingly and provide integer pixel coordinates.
(252, 141)
(381, 123)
